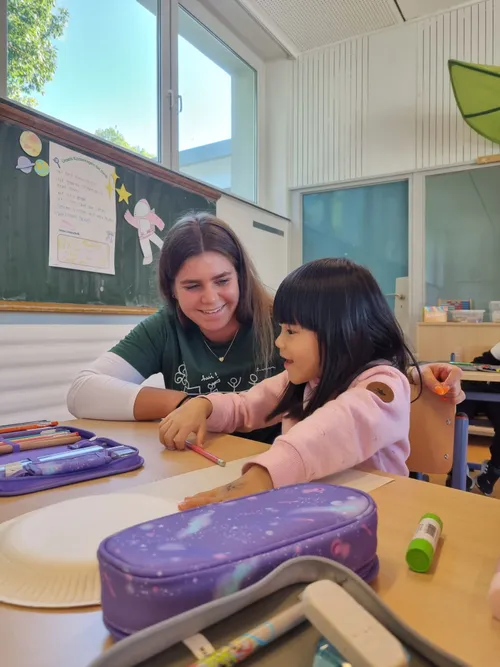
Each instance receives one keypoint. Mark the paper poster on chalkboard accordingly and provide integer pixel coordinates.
(82, 214)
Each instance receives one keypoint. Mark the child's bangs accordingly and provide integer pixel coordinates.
(293, 305)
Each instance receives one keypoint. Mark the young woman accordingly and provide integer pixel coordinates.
(343, 399)
(215, 333)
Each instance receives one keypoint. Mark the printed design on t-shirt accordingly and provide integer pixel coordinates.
(264, 372)
(181, 377)
(215, 380)
(234, 383)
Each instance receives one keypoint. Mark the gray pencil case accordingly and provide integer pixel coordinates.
(222, 620)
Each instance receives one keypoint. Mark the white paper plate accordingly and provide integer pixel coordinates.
(48, 558)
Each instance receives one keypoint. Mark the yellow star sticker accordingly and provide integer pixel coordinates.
(115, 177)
(123, 195)
(110, 188)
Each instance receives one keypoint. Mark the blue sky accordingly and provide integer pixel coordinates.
(107, 76)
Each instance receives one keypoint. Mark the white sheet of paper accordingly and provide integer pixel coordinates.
(82, 212)
(177, 488)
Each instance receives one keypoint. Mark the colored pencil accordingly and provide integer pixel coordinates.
(50, 433)
(50, 441)
(25, 426)
(207, 455)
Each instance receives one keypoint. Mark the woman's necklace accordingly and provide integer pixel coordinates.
(221, 359)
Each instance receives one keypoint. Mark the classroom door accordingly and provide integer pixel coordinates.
(369, 225)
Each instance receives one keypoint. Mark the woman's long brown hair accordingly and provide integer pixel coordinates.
(196, 233)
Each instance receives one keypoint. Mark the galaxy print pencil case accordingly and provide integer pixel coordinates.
(28, 471)
(160, 569)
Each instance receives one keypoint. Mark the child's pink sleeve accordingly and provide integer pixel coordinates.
(368, 423)
(248, 410)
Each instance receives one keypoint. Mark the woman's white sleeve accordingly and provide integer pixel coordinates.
(107, 389)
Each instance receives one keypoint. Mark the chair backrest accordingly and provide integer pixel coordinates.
(432, 427)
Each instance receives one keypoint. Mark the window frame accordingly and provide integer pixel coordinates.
(206, 18)
(168, 89)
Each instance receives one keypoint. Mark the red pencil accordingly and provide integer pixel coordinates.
(26, 426)
(207, 455)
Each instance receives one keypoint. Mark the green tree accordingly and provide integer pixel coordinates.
(32, 27)
(114, 135)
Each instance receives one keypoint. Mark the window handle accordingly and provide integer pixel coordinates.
(179, 103)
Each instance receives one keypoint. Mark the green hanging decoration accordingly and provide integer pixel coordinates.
(477, 93)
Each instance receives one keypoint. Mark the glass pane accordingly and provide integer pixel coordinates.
(367, 224)
(89, 63)
(217, 111)
(462, 236)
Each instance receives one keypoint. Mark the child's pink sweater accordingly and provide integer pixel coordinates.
(358, 427)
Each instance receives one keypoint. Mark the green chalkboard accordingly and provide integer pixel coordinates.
(25, 275)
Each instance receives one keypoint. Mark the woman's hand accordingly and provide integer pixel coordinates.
(442, 379)
(189, 418)
(255, 480)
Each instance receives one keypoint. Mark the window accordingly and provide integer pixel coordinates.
(367, 224)
(462, 232)
(95, 64)
(217, 111)
(89, 63)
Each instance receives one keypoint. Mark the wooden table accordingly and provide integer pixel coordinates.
(448, 606)
(480, 376)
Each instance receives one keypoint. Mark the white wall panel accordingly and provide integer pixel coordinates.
(389, 140)
(329, 103)
(383, 104)
(39, 362)
(468, 34)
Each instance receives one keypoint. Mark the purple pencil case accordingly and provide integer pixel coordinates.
(92, 457)
(160, 569)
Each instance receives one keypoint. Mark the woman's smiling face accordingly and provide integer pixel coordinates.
(207, 291)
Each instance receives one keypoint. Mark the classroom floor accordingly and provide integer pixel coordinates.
(478, 452)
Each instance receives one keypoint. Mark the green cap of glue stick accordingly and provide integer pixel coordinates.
(422, 548)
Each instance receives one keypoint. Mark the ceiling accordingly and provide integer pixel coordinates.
(273, 29)
(302, 25)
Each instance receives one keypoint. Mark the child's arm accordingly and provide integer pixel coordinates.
(223, 413)
(373, 414)
(248, 410)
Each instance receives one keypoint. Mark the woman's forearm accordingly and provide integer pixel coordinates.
(154, 403)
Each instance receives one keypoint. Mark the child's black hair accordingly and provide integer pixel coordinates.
(343, 304)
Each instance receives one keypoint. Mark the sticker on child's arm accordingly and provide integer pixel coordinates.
(382, 390)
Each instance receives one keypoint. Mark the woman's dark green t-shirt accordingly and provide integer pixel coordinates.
(189, 363)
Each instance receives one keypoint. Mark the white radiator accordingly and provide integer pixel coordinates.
(38, 362)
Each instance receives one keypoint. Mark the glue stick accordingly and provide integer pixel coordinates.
(494, 594)
(422, 548)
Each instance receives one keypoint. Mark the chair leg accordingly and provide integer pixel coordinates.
(460, 442)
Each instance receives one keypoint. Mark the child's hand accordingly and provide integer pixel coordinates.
(442, 379)
(189, 418)
(255, 480)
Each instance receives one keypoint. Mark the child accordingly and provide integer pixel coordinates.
(344, 397)
(491, 470)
